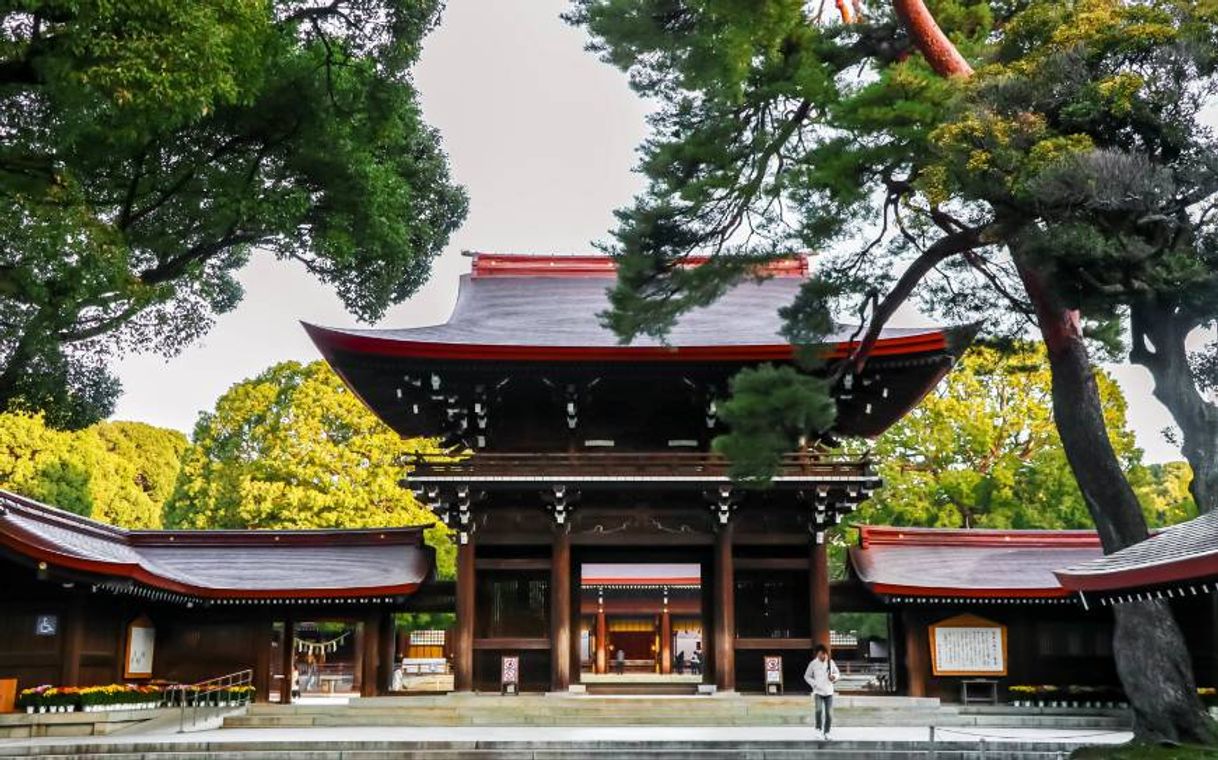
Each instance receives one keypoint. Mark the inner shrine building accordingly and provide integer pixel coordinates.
(595, 527)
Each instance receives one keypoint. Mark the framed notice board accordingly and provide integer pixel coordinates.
(141, 645)
(967, 645)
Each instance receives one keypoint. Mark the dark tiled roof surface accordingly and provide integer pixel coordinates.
(217, 564)
(1178, 554)
(968, 563)
(564, 312)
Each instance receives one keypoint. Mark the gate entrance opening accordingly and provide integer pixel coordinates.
(641, 622)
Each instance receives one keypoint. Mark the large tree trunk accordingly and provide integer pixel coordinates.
(1152, 659)
(1166, 356)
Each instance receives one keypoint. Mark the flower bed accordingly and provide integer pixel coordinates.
(47, 698)
(1074, 695)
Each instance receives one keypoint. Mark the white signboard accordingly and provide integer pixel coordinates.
(141, 642)
(968, 647)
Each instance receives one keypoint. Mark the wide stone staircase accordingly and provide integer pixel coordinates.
(718, 710)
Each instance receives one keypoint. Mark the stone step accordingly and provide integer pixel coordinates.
(556, 750)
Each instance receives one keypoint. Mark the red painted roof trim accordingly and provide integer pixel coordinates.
(530, 265)
(1173, 572)
(329, 341)
(885, 535)
(890, 589)
(22, 542)
(143, 576)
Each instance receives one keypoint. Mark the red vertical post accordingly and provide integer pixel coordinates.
(602, 659)
(665, 641)
(287, 656)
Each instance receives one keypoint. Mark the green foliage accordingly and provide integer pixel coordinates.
(151, 148)
(982, 451)
(295, 448)
(771, 410)
(116, 472)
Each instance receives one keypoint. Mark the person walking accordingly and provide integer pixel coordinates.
(619, 660)
(821, 674)
(680, 663)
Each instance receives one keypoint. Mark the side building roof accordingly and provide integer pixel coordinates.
(927, 564)
(217, 565)
(1181, 555)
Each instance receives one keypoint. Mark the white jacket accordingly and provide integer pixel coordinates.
(821, 675)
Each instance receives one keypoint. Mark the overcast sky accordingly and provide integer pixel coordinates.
(542, 135)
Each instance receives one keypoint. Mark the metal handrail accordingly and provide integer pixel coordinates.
(206, 694)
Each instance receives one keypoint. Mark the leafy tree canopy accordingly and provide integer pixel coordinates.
(148, 148)
(116, 472)
(981, 451)
(294, 448)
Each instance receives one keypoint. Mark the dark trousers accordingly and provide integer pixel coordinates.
(824, 712)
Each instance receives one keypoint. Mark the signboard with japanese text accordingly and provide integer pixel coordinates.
(141, 644)
(967, 645)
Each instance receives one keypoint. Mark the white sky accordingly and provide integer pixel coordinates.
(542, 135)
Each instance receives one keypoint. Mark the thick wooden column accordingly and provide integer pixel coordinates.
(263, 634)
(917, 652)
(560, 611)
(370, 632)
(725, 610)
(73, 632)
(602, 657)
(388, 652)
(287, 657)
(463, 640)
(665, 641)
(818, 580)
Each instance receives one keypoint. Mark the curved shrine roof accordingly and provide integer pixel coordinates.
(1183, 553)
(547, 308)
(937, 562)
(220, 564)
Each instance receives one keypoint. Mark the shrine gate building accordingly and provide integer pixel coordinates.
(578, 452)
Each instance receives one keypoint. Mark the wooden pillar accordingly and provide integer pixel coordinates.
(725, 610)
(560, 611)
(287, 656)
(263, 634)
(463, 640)
(72, 630)
(602, 658)
(357, 658)
(818, 579)
(388, 652)
(370, 662)
(665, 641)
(916, 655)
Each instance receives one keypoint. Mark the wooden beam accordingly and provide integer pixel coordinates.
(560, 611)
(754, 644)
(493, 563)
(818, 579)
(508, 642)
(725, 610)
(771, 563)
(463, 640)
(917, 655)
